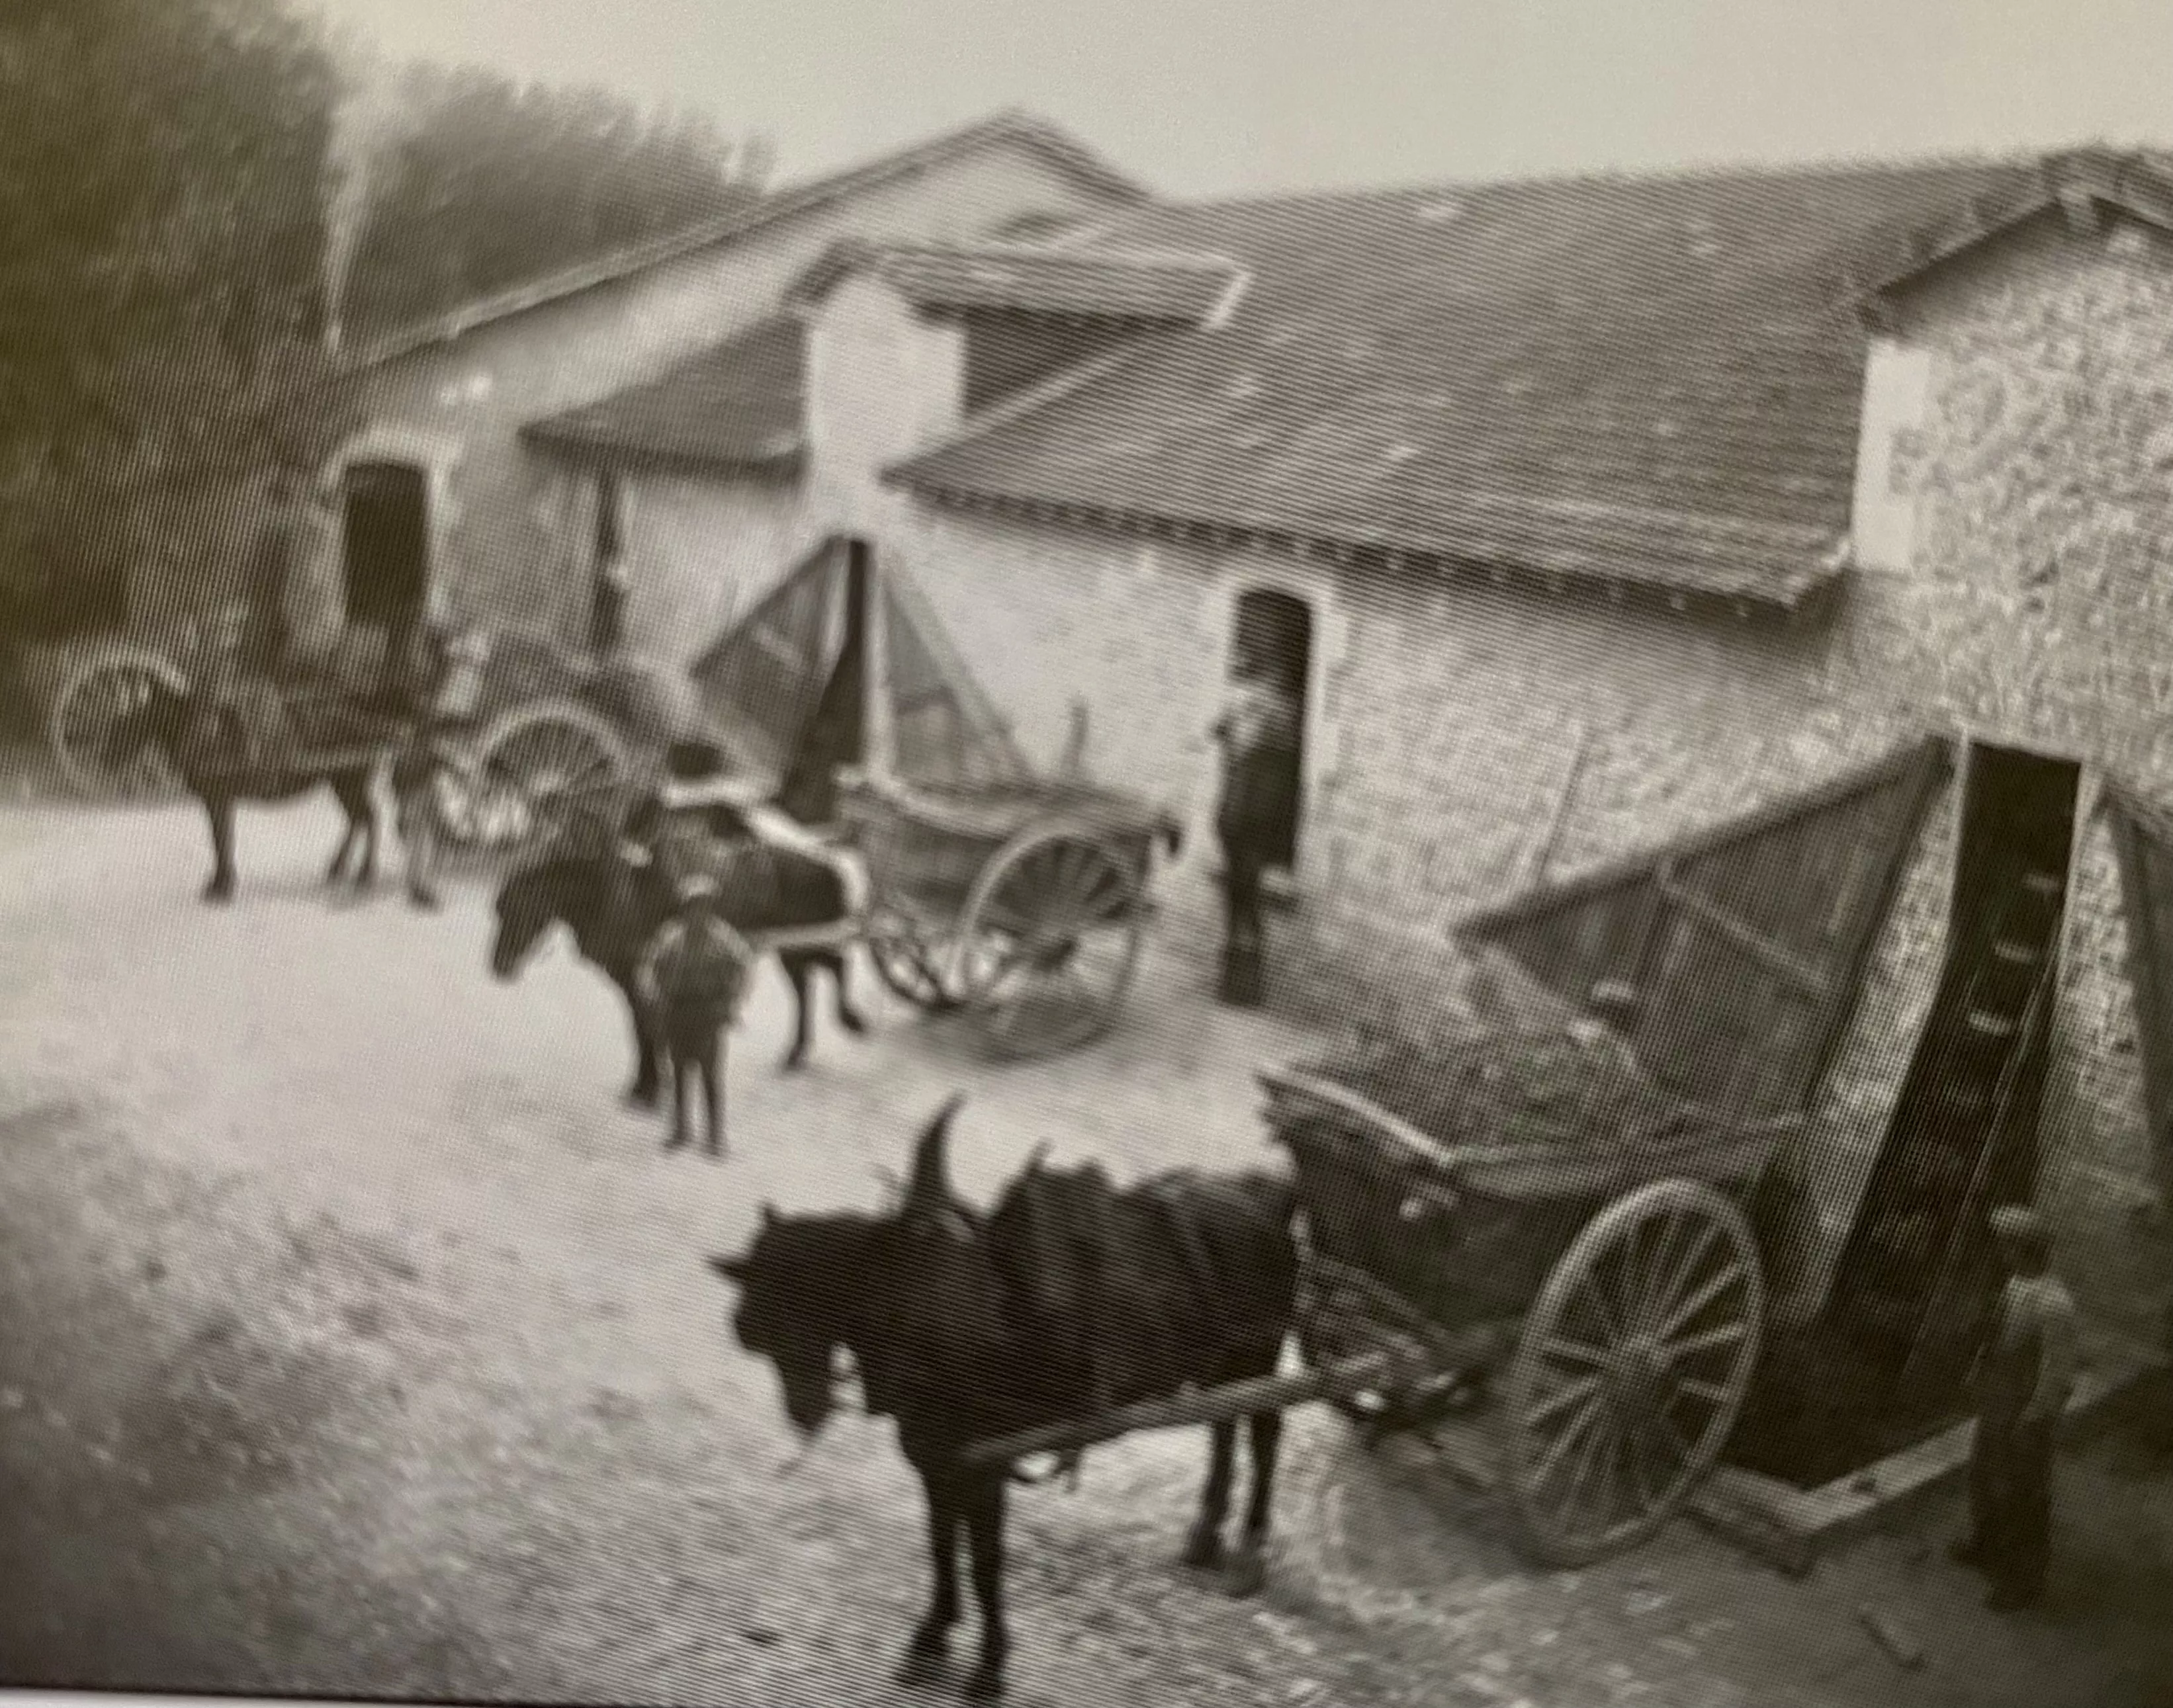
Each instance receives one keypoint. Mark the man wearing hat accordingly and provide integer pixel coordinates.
(2023, 1377)
(692, 981)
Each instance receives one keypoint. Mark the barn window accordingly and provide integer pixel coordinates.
(608, 609)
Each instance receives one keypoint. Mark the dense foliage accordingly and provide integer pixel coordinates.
(160, 171)
(474, 183)
(178, 182)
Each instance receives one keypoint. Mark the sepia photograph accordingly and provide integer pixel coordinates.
(1268, 853)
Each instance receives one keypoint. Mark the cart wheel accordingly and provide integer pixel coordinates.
(532, 769)
(1631, 1371)
(95, 693)
(1048, 940)
(906, 964)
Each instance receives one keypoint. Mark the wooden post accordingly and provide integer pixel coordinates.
(878, 707)
(1542, 850)
(1231, 1400)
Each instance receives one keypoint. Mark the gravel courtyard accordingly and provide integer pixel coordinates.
(353, 1341)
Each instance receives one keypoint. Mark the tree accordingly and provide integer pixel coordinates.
(475, 182)
(160, 164)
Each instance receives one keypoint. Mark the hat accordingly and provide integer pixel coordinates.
(2020, 1224)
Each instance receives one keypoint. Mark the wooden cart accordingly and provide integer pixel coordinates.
(1584, 1282)
(1022, 903)
(538, 750)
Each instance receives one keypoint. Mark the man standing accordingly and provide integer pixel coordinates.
(1258, 734)
(2023, 1378)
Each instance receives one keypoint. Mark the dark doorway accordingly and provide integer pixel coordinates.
(386, 540)
(1273, 640)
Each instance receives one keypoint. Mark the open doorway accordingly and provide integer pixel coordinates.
(385, 537)
(1273, 640)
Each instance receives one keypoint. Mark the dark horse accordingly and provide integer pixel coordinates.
(206, 744)
(963, 1329)
(613, 905)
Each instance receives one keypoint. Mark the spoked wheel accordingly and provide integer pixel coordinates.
(533, 770)
(907, 964)
(1049, 941)
(95, 694)
(1631, 1371)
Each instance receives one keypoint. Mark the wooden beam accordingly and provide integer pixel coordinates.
(1761, 948)
(1231, 1400)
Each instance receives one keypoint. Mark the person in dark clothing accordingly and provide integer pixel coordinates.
(432, 750)
(1258, 736)
(692, 980)
(2023, 1378)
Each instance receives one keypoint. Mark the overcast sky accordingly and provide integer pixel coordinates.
(1209, 97)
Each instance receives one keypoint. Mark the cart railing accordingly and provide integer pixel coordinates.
(1720, 1150)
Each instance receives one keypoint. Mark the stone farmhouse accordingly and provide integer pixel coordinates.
(1815, 520)
(436, 498)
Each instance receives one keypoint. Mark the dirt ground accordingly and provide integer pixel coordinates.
(354, 1342)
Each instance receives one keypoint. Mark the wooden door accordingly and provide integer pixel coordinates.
(1733, 956)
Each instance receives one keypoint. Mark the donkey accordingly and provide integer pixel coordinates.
(206, 745)
(945, 1314)
(613, 907)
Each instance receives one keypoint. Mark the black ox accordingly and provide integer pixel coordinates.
(1069, 1295)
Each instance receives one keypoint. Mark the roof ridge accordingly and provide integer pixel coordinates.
(1686, 173)
(1199, 259)
(1009, 123)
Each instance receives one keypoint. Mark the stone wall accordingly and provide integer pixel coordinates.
(2033, 605)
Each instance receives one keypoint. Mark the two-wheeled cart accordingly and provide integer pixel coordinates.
(1522, 1231)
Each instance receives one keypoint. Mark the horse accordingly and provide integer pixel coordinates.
(612, 907)
(206, 744)
(946, 1316)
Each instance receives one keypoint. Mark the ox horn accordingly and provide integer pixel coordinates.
(929, 1189)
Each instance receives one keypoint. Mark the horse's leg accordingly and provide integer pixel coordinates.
(682, 1086)
(419, 834)
(711, 1064)
(219, 810)
(642, 1094)
(841, 976)
(1203, 1547)
(797, 970)
(1249, 1570)
(924, 1655)
(353, 794)
(365, 808)
(337, 869)
(984, 1536)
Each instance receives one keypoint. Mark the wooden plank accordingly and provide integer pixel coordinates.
(2143, 850)
(1775, 957)
(1932, 753)
(1231, 1400)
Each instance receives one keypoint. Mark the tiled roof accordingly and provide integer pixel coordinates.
(1099, 282)
(736, 406)
(1641, 380)
(1065, 151)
